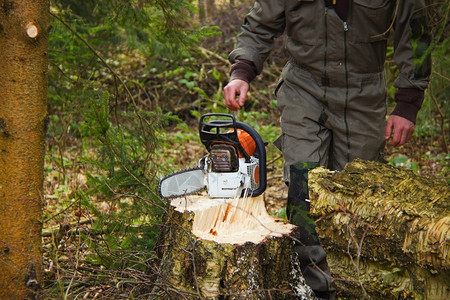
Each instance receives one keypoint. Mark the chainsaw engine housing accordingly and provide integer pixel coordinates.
(224, 158)
(232, 184)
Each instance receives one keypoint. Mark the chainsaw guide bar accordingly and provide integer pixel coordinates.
(181, 183)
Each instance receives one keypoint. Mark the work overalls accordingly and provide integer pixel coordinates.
(332, 92)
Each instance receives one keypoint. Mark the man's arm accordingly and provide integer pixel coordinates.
(264, 22)
(262, 25)
(411, 44)
(403, 117)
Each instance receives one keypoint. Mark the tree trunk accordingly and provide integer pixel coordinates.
(386, 231)
(218, 248)
(201, 11)
(24, 27)
(211, 9)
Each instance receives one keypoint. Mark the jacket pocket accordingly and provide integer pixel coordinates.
(373, 19)
(279, 84)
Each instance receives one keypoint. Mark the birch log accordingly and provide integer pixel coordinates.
(226, 249)
(385, 230)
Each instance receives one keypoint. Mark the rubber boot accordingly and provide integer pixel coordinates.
(312, 256)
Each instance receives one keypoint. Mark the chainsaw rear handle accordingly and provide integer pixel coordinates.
(211, 131)
(221, 130)
(261, 154)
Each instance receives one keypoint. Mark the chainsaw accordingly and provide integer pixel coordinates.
(235, 165)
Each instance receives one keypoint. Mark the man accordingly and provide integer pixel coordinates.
(332, 92)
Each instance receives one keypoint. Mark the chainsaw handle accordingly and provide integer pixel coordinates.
(210, 130)
(261, 150)
(223, 129)
(218, 123)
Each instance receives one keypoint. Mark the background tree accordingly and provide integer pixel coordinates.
(24, 27)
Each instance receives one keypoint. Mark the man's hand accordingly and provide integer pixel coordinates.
(234, 88)
(400, 129)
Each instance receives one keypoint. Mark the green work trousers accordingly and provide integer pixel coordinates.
(330, 125)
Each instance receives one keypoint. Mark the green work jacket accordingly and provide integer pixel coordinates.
(337, 52)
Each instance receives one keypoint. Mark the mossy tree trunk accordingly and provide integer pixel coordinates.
(386, 231)
(24, 27)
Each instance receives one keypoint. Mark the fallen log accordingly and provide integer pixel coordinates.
(385, 230)
(226, 249)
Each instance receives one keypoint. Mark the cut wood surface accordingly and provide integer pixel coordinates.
(232, 248)
(385, 229)
(234, 221)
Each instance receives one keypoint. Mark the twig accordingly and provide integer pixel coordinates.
(207, 53)
(275, 159)
(443, 117)
(54, 229)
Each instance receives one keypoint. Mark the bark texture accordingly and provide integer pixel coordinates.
(198, 262)
(386, 231)
(24, 27)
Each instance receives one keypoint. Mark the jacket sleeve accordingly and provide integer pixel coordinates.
(243, 69)
(411, 45)
(262, 25)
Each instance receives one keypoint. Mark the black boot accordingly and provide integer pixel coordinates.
(311, 255)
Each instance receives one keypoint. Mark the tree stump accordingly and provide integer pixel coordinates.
(385, 230)
(226, 249)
